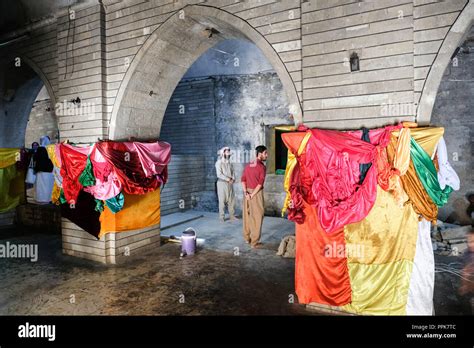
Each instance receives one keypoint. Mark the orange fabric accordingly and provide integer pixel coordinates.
(321, 271)
(293, 141)
(139, 211)
(422, 203)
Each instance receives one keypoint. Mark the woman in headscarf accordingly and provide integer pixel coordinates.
(29, 160)
(44, 173)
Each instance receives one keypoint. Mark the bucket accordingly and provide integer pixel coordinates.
(188, 242)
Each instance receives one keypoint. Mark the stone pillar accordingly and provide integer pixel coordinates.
(7, 219)
(112, 248)
(81, 74)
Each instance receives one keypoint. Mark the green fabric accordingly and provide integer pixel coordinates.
(427, 174)
(11, 188)
(87, 176)
(115, 204)
(62, 198)
(99, 205)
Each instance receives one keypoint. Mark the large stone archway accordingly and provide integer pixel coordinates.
(42, 76)
(453, 39)
(166, 56)
(24, 81)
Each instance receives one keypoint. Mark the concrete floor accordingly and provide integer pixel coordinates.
(225, 277)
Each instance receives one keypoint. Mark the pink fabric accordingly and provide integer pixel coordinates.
(153, 156)
(333, 159)
(57, 151)
(107, 183)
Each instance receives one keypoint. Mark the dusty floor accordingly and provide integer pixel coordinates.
(225, 277)
(212, 282)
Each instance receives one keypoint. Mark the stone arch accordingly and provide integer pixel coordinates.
(453, 39)
(42, 76)
(165, 57)
(27, 80)
(29, 128)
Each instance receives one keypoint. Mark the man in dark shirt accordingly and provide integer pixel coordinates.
(252, 180)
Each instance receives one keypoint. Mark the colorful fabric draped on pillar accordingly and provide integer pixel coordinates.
(53, 151)
(109, 177)
(360, 247)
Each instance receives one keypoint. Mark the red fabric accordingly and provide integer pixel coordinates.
(100, 166)
(128, 167)
(381, 138)
(333, 160)
(300, 181)
(254, 174)
(321, 273)
(73, 162)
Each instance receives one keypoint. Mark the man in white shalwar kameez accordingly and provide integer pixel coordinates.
(225, 184)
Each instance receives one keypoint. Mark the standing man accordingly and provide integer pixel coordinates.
(225, 184)
(253, 178)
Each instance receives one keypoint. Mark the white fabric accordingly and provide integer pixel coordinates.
(446, 173)
(44, 187)
(57, 176)
(420, 293)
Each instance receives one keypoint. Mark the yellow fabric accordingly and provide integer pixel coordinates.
(8, 157)
(52, 154)
(401, 162)
(290, 166)
(402, 155)
(387, 234)
(426, 137)
(56, 189)
(286, 128)
(139, 211)
(12, 188)
(379, 289)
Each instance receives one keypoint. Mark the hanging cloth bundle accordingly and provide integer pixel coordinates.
(428, 175)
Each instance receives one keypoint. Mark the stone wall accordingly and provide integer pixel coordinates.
(44, 217)
(88, 54)
(453, 110)
(215, 112)
(42, 120)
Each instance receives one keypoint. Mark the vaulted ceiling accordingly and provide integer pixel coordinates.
(16, 13)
